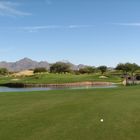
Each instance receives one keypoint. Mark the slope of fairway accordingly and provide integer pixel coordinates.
(60, 78)
(71, 115)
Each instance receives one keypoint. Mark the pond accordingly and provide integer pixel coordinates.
(8, 89)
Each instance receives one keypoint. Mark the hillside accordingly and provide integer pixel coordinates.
(26, 63)
(23, 64)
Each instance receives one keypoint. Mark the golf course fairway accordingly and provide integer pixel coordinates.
(86, 114)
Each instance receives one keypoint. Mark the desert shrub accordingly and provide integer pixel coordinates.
(40, 70)
(87, 70)
(3, 71)
(103, 69)
(60, 67)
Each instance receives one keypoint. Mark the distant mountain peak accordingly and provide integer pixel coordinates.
(25, 59)
(27, 63)
(23, 64)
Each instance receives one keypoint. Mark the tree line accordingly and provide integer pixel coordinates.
(127, 69)
(61, 67)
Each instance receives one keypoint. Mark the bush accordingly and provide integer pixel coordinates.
(76, 72)
(60, 67)
(87, 70)
(3, 71)
(40, 70)
(103, 69)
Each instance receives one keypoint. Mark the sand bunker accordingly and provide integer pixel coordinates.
(24, 73)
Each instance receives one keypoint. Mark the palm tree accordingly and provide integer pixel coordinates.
(132, 69)
(128, 68)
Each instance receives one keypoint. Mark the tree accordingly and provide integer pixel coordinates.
(39, 70)
(123, 67)
(128, 69)
(103, 69)
(60, 67)
(3, 71)
(132, 69)
(87, 69)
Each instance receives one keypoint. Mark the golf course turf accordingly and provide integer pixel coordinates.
(60, 78)
(71, 114)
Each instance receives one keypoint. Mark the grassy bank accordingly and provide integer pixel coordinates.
(71, 115)
(60, 78)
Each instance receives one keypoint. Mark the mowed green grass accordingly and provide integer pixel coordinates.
(61, 78)
(71, 114)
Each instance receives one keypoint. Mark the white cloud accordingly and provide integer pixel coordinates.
(38, 28)
(46, 28)
(49, 27)
(79, 26)
(10, 9)
(127, 24)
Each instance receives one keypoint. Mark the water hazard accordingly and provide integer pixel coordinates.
(8, 89)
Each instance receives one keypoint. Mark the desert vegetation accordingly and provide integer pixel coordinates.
(61, 72)
(3, 71)
(40, 70)
(60, 67)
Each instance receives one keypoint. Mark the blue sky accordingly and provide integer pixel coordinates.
(93, 32)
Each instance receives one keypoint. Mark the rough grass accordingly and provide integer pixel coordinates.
(71, 115)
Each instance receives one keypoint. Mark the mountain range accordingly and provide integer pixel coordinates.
(26, 63)
(23, 64)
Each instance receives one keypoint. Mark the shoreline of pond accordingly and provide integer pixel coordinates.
(75, 84)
